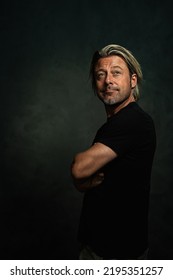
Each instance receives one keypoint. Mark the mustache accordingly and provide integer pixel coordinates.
(109, 88)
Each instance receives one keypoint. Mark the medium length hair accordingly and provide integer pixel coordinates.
(132, 64)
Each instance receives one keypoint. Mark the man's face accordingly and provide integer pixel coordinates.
(114, 84)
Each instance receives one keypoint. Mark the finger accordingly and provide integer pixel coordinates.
(101, 174)
(98, 179)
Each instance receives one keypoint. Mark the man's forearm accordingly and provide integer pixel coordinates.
(89, 162)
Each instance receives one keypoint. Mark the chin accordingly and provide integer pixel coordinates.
(110, 102)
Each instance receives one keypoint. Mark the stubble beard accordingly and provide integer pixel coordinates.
(113, 100)
(110, 102)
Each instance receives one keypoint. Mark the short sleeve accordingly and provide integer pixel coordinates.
(118, 134)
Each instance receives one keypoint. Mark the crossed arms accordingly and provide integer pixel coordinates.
(86, 166)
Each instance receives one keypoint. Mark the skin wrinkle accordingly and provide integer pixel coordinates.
(114, 83)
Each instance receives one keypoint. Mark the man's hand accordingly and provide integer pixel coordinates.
(97, 179)
(91, 182)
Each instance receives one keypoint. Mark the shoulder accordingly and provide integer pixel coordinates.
(131, 120)
(134, 116)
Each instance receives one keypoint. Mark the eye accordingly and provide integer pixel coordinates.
(100, 75)
(116, 73)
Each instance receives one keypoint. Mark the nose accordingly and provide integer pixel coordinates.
(108, 79)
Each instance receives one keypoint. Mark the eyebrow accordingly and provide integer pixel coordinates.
(117, 66)
(113, 67)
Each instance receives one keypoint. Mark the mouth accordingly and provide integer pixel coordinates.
(108, 92)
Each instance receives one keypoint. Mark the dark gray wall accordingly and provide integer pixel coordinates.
(49, 112)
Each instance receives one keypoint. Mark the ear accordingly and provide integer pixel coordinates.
(134, 80)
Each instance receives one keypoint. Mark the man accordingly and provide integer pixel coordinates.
(115, 171)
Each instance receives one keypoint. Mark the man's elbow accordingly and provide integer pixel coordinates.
(76, 171)
(80, 167)
(77, 178)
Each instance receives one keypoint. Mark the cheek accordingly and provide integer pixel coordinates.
(99, 84)
(126, 83)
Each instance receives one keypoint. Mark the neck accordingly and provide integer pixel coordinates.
(113, 109)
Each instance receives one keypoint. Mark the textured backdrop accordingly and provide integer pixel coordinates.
(49, 112)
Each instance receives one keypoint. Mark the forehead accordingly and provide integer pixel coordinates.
(110, 62)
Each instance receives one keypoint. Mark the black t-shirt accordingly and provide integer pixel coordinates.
(114, 218)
